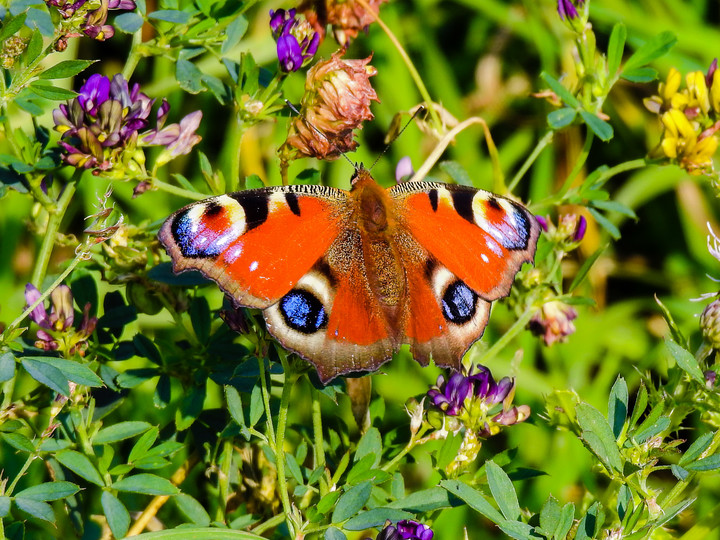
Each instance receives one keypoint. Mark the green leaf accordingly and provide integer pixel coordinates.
(598, 435)
(49, 491)
(375, 518)
(4, 506)
(562, 92)
(256, 405)
(234, 33)
(585, 268)
(19, 442)
(117, 516)
(328, 502)
(10, 25)
(561, 118)
(671, 512)
(334, 534)
(616, 46)
(293, 468)
(640, 75)
(565, 522)
(121, 431)
(549, 516)
(40, 19)
(517, 530)
(234, 404)
(143, 445)
(449, 450)
(50, 91)
(200, 318)
(697, 448)
(146, 348)
(605, 223)
(425, 500)
(147, 484)
(709, 463)
(600, 127)
(34, 48)
(591, 523)
(651, 50)
(502, 490)
(37, 509)
(679, 472)
(80, 465)
(473, 498)
(614, 206)
(457, 172)
(190, 408)
(46, 374)
(618, 406)
(675, 331)
(192, 509)
(351, 502)
(7, 366)
(170, 15)
(128, 23)
(188, 76)
(71, 370)
(370, 443)
(66, 68)
(653, 424)
(685, 360)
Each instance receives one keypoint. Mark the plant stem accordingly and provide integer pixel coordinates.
(266, 400)
(617, 169)
(517, 327)
(319, 441)
(579, 163)
(169, 188)
(134, 56)
(539, 147)
(290, 380)
(269, 524)
(408, 63)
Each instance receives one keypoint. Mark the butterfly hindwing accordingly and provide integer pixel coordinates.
(256, 244)
(480, 237)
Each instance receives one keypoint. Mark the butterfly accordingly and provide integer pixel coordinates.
(346, 277)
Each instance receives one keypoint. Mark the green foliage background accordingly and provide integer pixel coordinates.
(476, 57)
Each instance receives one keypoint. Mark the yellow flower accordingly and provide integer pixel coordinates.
(698, 92)
(715, 92)
(681, 142)
(667, 90)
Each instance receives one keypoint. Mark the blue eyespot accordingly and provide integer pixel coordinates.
(303, 311)
(459, 302)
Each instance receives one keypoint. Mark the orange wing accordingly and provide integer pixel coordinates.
(256, 244)
(480, 237)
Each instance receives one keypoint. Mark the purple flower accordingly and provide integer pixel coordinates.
(297, 42)
(405, 530)
(711, 73)
(87, 18)
(404, 169)
(487, 389)
(543, 222)
(56, 332)
(566, 8)
(108, 118)
(451, 397)
(580, 229)
(553, 322)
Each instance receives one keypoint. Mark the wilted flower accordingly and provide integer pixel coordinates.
(336, 101)
(297, 42)
(81, 17)
(12, 47)
(347, 17)
(56, 327)
(101, 128)
(405, 530)
(710, 379)
(553, 322)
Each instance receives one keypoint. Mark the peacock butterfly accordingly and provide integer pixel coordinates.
(345, 277)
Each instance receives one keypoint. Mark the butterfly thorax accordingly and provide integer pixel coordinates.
(383, 265)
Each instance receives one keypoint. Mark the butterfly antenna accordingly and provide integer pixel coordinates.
(316, 130)
(420, 109)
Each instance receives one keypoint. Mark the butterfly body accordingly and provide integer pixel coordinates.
(344, 278)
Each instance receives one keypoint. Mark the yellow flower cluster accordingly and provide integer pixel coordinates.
(690, 118)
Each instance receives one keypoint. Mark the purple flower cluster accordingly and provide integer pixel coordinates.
(460, 390)
(405, 530)
(296, 41)
(101, 128)
(567, 9)
(56, 331)
(81, 19)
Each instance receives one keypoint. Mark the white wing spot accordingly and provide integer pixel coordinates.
(485, 258)
(253, 266)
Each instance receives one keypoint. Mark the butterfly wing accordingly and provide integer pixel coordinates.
(461, 249)
(480, 237)
(256, 244)
(332, 317)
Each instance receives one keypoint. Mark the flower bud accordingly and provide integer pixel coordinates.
(710, 324)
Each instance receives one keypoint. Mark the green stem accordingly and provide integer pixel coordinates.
(704, 527)
(53, 226)
(318, 440)
(269, 524)
(409, 64)
(622, 167)
(169, 188)
(290, 380)
(224, 479)
(412, 443)
(542, 143)
(266, 400)
(514, 330)
(134, 56)
(579, 163)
